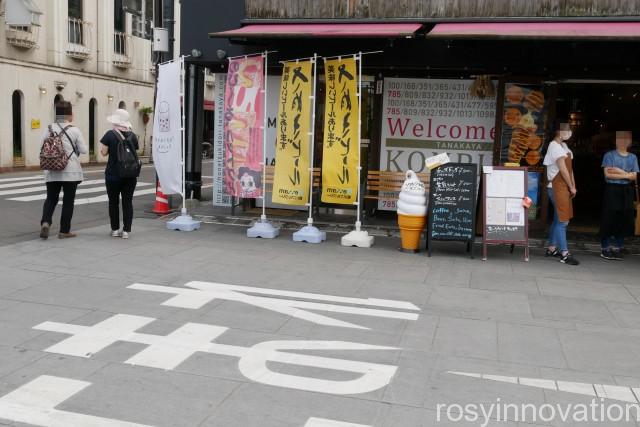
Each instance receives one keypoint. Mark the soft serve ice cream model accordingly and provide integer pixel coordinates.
(412, 211)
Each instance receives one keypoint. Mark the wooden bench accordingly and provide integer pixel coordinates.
(268, 179)
(389, 182)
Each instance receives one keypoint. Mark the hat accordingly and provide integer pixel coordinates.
(120, 117)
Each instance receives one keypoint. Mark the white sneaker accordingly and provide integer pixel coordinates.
(125, 235)
(115, 233)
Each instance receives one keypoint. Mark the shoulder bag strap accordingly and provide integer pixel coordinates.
(73, 146)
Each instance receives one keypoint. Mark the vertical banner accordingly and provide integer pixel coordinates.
(291, 176)
(167, 128)
(340, 145)
(219, 196)
(243, 123)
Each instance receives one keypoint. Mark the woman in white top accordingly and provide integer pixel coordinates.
(561, 190)
(66, 179)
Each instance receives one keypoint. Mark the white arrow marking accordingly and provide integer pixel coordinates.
(34, 403)
(204, 292)
(605, 391)
(167, 352)
(322, 422)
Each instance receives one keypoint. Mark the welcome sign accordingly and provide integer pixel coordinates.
(426, 117)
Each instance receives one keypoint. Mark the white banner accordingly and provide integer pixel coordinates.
(426, 117)
(167, 125)
(220, 198)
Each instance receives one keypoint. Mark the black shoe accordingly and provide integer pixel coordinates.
(617, 255)
(44, 231)
(555, 253)
(610, 255)
(569, 260)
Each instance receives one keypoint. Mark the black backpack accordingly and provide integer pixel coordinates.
(127, 162)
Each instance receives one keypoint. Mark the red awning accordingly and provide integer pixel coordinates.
(541, 30)
(321, 30)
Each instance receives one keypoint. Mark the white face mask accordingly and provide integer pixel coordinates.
(565, 135)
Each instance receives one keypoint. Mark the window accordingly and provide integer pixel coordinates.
(141, 24)
(76, 33)
(75, 9)
(119, 17)
(122, 105)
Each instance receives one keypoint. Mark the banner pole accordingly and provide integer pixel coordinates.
(263, 228)
(264, 137)
(312, 135)
(183, 222)
(358, 237)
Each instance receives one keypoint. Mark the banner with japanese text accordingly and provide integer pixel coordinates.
(243, 127)
(340, 145)
(291, 175)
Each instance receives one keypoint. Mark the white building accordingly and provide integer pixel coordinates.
(88, 52)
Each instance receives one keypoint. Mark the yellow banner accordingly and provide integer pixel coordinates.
(291, 175)
(340, 146)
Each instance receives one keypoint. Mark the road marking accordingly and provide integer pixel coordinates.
(23, 183)
(80, 191)
(34, 403)
(23, 178)
(323, 422)
(43, 187)
(605, 391)
(168, 352)
(105, 198)
(204, 292)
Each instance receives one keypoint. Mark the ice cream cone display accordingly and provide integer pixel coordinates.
(524, 124)
(412, 211)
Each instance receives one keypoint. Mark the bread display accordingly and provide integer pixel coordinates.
(534, 101)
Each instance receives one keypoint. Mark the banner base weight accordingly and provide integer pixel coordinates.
(263, 229)
(184, 223)
(359, 238)
(309, 234)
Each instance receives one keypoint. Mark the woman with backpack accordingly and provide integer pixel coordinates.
(121, 174)
(60, 148)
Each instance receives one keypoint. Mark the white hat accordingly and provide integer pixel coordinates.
(120, 117)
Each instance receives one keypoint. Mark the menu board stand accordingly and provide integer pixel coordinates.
(452, 204)
(505, 220)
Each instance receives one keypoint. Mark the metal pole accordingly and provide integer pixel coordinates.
(358, 223)
(312, 135)
(184, 164)
(263, 217)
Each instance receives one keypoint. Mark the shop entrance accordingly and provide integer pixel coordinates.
(596, 110)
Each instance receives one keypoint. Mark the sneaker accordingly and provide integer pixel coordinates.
(115, 233)
(555, 253)
(66, 235)
(44, 231)
(569, 259)
(607, 254)
(617, 255)
(125, 234)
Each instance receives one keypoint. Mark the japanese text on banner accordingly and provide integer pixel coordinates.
(243, 127)
(340, 146)
(291, 177)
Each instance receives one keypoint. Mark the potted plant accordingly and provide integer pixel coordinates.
(145, 111)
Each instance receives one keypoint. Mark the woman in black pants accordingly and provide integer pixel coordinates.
(67, 179)
(116, 185)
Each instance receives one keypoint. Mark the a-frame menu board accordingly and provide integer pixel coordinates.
(505, 217)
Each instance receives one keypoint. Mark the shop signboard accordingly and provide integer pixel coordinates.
(425, 117)
(220, 198)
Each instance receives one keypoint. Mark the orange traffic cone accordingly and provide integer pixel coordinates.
(162, 202)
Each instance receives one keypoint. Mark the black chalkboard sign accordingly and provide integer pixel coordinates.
(452, 203)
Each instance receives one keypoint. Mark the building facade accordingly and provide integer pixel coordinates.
(458, 76)
(89, 52)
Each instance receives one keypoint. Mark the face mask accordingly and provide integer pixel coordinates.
(565, 135)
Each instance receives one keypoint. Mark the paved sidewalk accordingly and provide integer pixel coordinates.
(390, 331)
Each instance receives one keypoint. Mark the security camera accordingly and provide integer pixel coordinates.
(221, 54)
